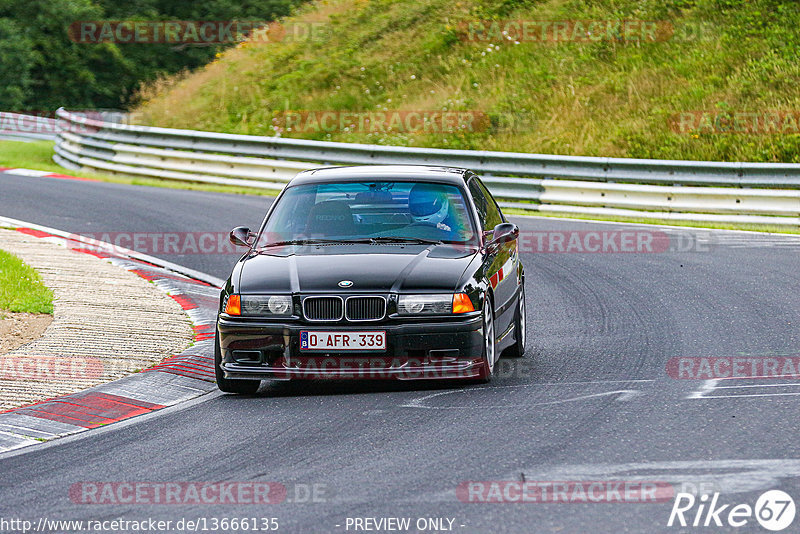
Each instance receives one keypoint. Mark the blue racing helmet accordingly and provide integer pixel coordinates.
(428, 203)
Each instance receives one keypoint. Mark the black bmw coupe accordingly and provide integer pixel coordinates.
(402, 272)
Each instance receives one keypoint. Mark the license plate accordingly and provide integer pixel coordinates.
(337, 341)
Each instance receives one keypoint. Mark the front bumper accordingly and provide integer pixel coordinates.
(437, 349)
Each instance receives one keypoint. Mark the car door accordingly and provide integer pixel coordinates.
(502, 261)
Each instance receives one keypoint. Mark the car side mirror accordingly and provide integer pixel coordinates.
(242, 236)
(504, 233)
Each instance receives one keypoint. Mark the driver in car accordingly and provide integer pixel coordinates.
(429, 206)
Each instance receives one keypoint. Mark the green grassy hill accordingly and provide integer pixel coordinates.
(614, 96)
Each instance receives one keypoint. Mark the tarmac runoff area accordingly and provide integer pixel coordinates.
(108, 322)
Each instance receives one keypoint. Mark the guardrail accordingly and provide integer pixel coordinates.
(764, 193)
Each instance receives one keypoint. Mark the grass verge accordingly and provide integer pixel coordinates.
(21, 288)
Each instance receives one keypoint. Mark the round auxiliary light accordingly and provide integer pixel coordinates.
(413, 305)
(278, 305)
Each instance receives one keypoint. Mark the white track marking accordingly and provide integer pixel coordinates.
(624, 395)
(751, 395)
(708, 388)
(415, 403)
(759, 386)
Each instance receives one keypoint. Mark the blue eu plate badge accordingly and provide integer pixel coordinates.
(303, 340)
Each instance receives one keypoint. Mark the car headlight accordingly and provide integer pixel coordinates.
(434, 304)
(267, 305)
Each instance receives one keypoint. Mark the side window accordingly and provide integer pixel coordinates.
(487, 207)
(480, 201)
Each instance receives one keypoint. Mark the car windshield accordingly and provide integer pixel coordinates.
(370, 211)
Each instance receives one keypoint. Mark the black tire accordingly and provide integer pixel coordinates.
(490, 344)
(517, 350)
(242, 387)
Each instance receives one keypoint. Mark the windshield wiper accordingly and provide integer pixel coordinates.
(368, 240)
(414, 240)
(299, 242)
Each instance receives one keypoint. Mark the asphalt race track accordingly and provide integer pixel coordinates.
(592, 399)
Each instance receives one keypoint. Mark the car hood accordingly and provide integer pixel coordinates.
(371, 268)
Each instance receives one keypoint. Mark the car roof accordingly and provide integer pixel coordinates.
(360, 173)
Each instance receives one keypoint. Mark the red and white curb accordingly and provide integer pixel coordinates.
(176, 379)
(42, 174)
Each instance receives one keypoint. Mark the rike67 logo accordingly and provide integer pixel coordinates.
(774, 510)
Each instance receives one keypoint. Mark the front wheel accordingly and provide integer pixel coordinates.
(489, 343)
(243, 387)
(517, 350)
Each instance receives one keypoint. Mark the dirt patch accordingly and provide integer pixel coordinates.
(17, 329)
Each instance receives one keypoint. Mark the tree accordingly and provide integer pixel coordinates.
(42, 68)
(16, 62)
